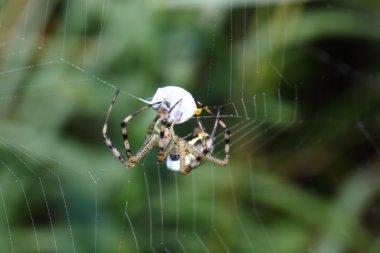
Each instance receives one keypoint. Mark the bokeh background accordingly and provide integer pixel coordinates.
(297, 82)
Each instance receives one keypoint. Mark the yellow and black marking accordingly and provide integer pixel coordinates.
(227, 132)
(196, 139)
(199, 110)
(198, 145)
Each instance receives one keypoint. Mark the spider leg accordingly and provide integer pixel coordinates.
(130, 161)
(165, 124)
(204, 153)
(215, 125)
(146, 147)
(227, 136)
(164, 140)
(170, 146)
(198, 153)
(127, 119)
(151, 127)
(202, 129)
(184, 170)
(107, 140)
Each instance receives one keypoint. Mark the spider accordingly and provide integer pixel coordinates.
(181, 154)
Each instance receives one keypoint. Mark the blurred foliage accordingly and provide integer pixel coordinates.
(298, 82)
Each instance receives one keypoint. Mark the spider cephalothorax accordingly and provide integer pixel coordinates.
(181, 154)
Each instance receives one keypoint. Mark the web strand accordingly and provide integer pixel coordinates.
(7, 220)
(281, 90)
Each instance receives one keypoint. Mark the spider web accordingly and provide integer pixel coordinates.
(297, 82)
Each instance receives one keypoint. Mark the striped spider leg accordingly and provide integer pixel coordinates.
(181, 154)
(227, 137)
(163, 139)
(198, 148)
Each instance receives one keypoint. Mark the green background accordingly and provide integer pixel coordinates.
(298, 83)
